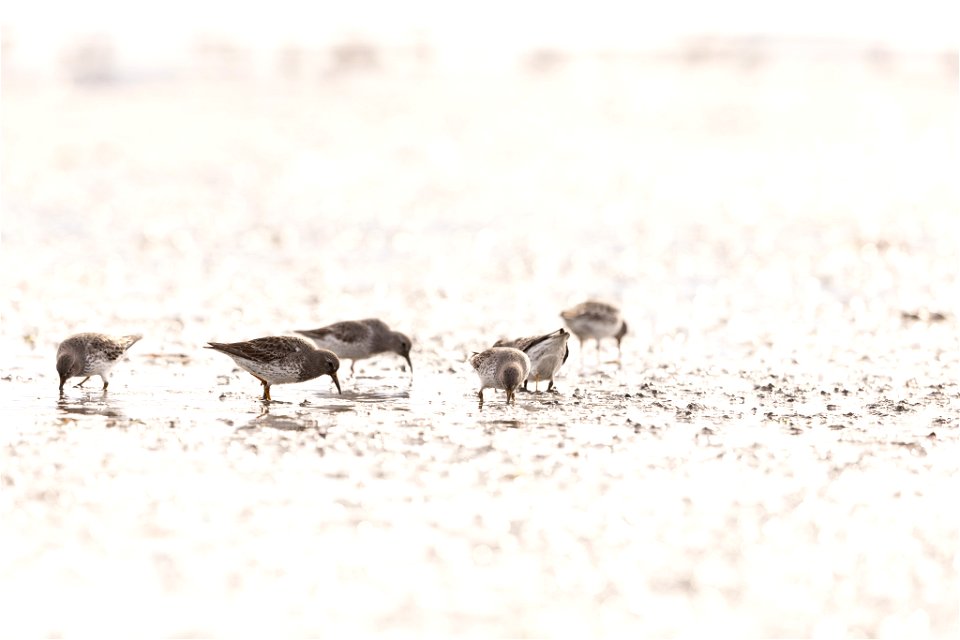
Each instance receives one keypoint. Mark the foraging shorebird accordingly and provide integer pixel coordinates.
(501, 368)
(596, 320)
(360, 339)
(281, 360)
(547, 354)
(91, 354)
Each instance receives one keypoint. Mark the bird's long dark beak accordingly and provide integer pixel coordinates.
(410, 364)
(63, 380)
(336, 381)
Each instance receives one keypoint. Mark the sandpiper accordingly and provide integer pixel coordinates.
(91, 354)
(281, 360)
(547, 354)
(501, 368)
(360, 339)
(595, 320)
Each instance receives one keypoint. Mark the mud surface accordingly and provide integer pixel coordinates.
(776, 455)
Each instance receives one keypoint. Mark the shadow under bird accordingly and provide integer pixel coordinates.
(280, 360)
(91, 354)
(501, 368)
(547, 354)
(592, 320)
(360, 339)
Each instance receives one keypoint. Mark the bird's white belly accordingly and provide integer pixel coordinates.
(97, 366)
(271, 373)
(488, 377)
(594, 328)
(544, 367)
(348, 350)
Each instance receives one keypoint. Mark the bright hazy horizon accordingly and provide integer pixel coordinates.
(161, 38)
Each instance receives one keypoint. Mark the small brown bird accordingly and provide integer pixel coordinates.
(360, 339)
(547, 354)
(501, 368)
(281, 360)
(596, 320)
(91, 354)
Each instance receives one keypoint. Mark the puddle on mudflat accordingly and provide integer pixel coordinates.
(509, 424)
(377, 397)
(300, 421)
(90, 407)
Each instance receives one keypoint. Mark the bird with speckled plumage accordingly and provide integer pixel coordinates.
(547, 354)
(280, 360)
(91, 354)
(592, 320)
(501, 368)
(360, 339)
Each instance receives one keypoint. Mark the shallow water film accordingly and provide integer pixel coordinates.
(775, 455)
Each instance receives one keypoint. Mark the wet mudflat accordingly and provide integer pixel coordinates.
(776, 455)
